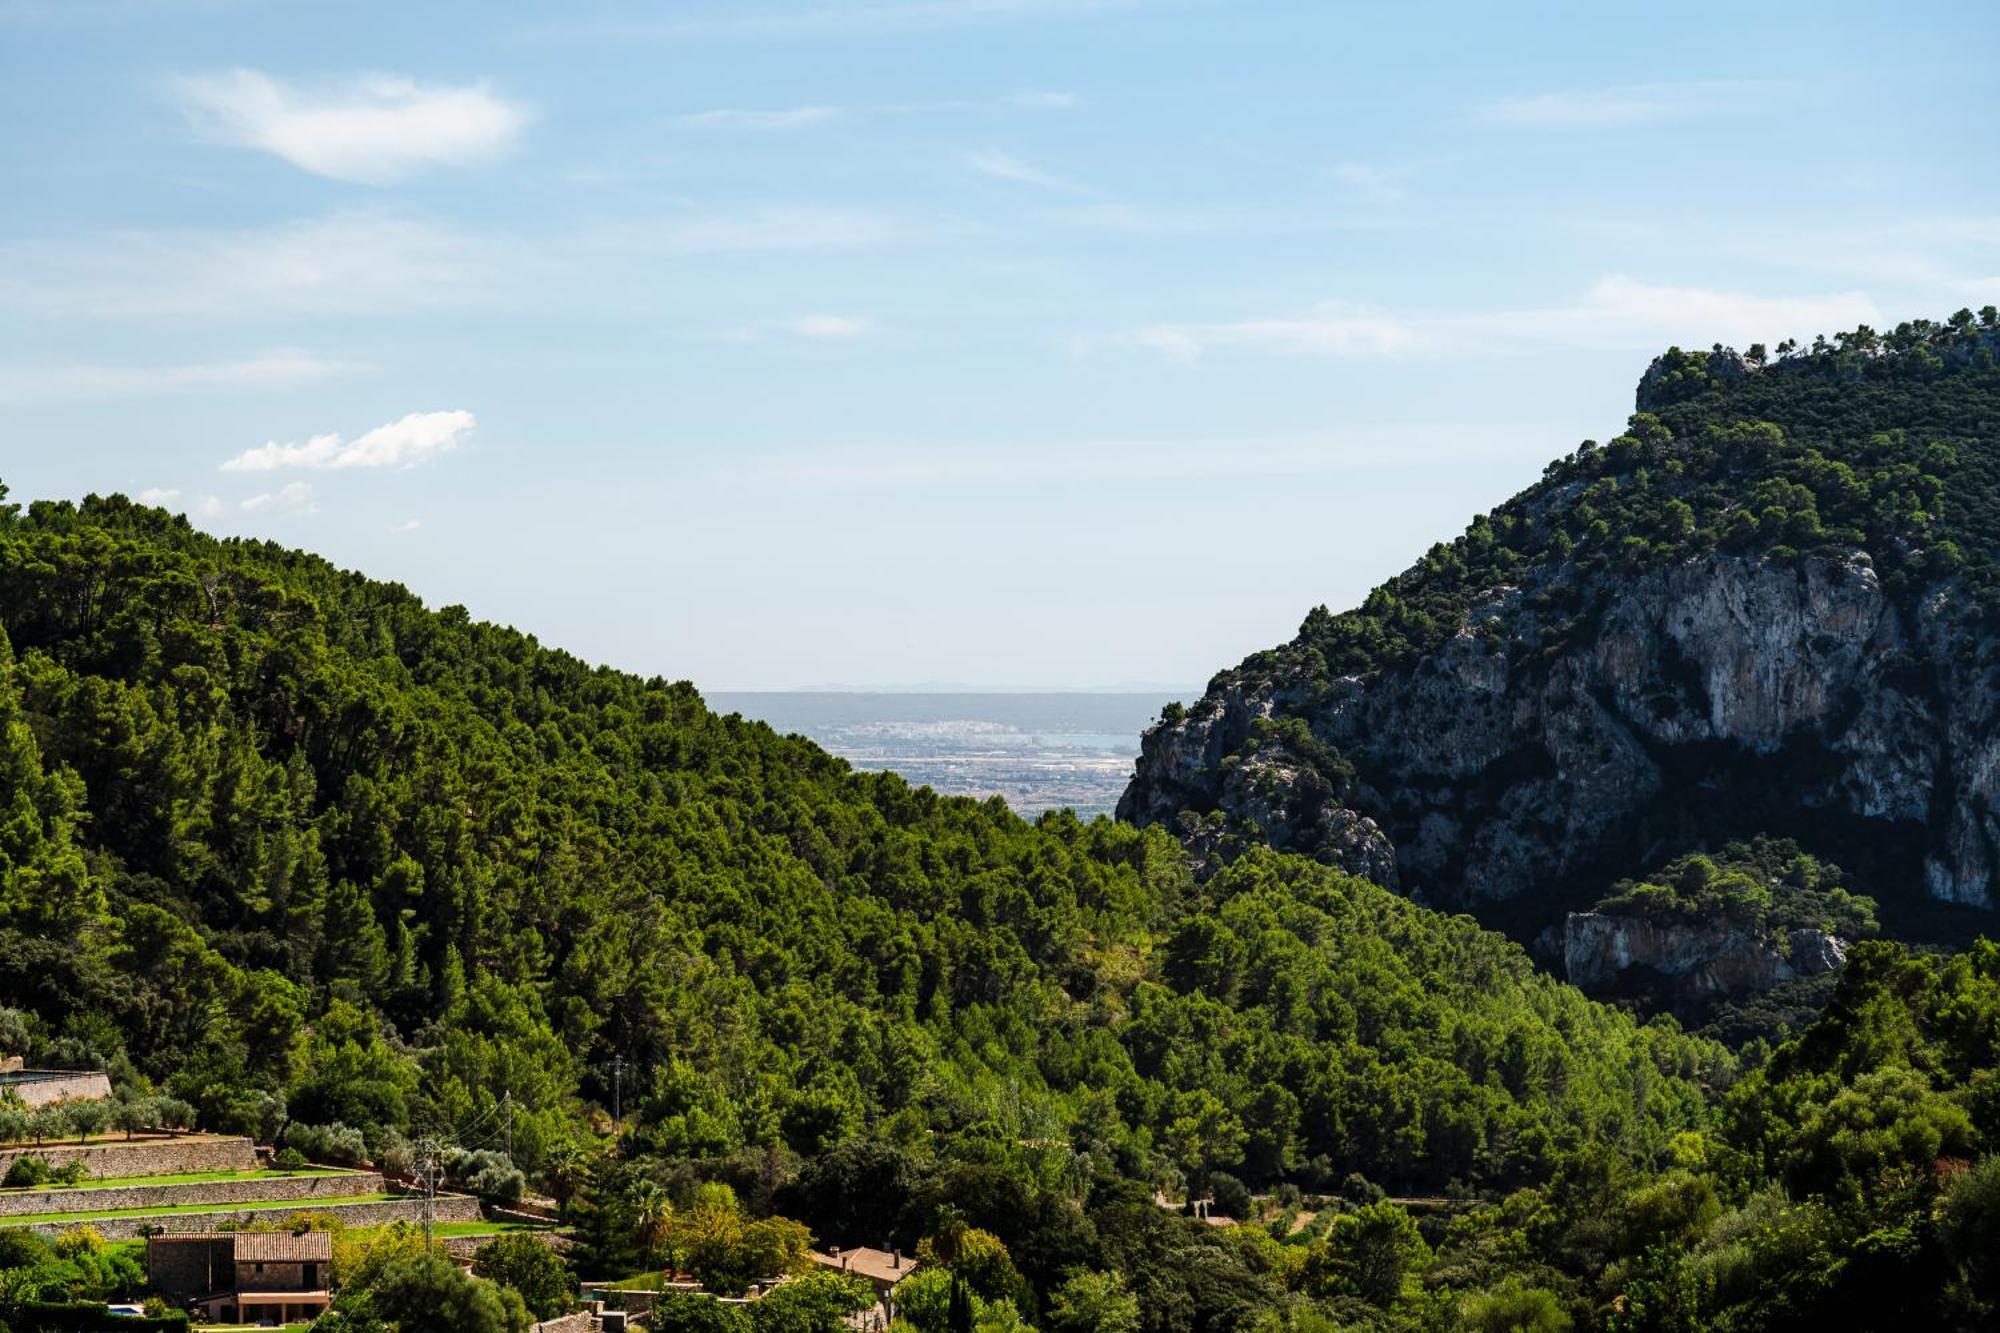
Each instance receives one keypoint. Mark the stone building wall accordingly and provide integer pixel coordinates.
(39, 1088)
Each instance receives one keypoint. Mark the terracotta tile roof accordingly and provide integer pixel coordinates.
(282, 1247)
(875, 1265)
(262, 1247)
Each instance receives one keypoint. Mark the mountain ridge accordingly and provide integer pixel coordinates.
(1765, 608)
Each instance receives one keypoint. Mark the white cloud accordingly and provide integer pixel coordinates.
(1332, 329)
(826, 327)
(1007, 167)
(1375, 185)
(1615, 312)
(1617, 108)
(159, 495)
(374, 130)
(812, 328)
(292, 498)
(210, 506)
(402, 443)
(1618, 309)
(278, 369)
(407, 525)
(791, 118)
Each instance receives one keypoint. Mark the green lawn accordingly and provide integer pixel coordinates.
(487, 1228)
(195, 1178)
(172, 1210)
(653, 1281)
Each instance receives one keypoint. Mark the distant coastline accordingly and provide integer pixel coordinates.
(1038, 750)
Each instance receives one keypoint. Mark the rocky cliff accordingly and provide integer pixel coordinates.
(1683, 636)
(1699, 963)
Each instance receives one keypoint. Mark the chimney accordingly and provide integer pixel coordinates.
(897, 1255)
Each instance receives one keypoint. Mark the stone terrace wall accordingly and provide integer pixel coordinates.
(581, 1322)
(450, 1208)
(112, 1158)
(21, 1203)
(464, 1247)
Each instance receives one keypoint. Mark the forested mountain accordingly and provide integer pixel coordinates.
(1770, 607)
(339, 869)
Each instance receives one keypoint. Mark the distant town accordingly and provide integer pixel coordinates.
(1038, 752)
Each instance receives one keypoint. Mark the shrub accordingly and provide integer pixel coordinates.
(335, 1144)
(27, 1172)
(491, 1175)
(289, 1159)
(522, 1262)
(1232, 1197)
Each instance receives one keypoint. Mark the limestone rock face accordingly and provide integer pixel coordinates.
(1701, 961)
(1717, 697)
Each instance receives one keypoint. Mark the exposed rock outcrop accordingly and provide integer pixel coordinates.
(1720, 696)
(1699, 962)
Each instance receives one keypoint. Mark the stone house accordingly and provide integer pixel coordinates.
(244, 1276)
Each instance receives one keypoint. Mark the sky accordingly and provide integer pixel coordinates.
(994, 343)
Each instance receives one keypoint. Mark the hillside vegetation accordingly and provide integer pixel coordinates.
(343, 871)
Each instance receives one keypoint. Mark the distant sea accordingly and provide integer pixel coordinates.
(1038, 751)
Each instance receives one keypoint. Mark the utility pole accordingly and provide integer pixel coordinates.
(427, 1162)
(617, 1093)
(507, 1105)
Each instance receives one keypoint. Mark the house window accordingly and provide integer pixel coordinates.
(312, 1276)
(260, 1268)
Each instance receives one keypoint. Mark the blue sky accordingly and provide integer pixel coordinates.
(995, 342)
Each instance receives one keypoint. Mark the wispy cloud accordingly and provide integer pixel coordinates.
(790, 118)
(805, 117)
(1040, 463)
(160, 495)
(1617, 108)
(808, 328)
(345, 264)
(737, 20)
(758, 230)
(402, 443)
(366, 264)
(406, 526)
(1043, 100)
(292, 498)
(280, 369)
(1615, 312)
(1007, 167)
(374, 130)
(1375, 185)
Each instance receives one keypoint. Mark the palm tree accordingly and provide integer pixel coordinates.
(652, 1217)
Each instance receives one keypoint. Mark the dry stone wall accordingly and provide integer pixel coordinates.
(23, 1203)
(143, 1157)
(450, 1208)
